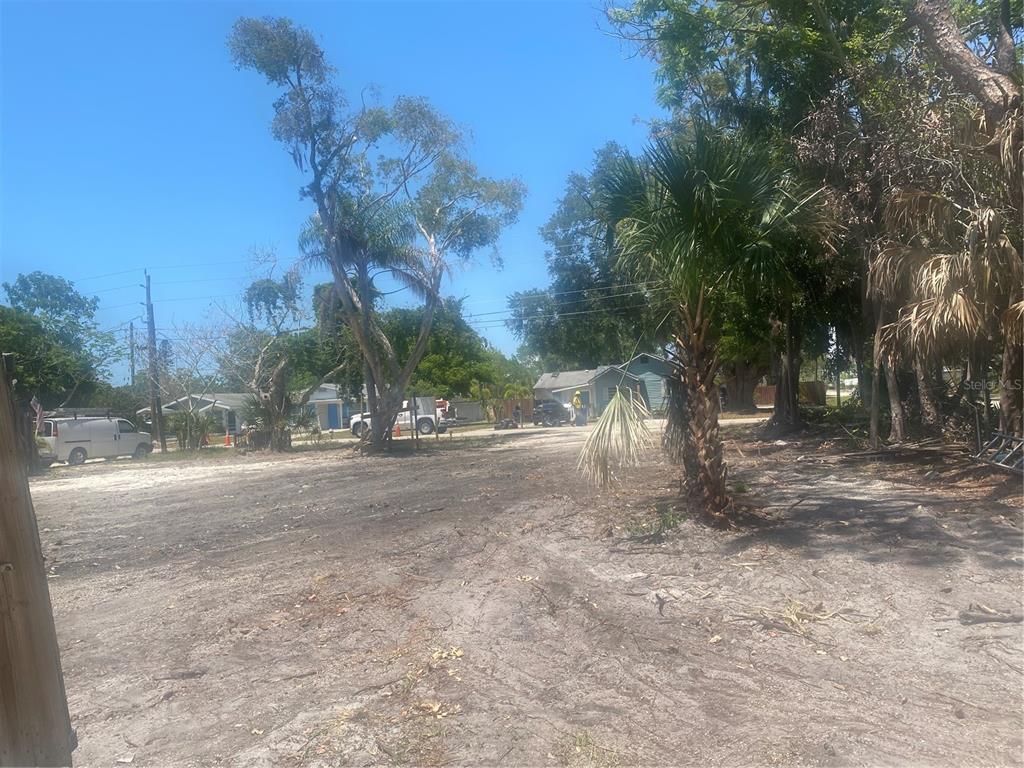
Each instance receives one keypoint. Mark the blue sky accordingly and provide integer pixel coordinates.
(129, 140)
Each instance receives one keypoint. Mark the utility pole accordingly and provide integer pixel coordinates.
(155, 408)
(131, 352)
(35, 728)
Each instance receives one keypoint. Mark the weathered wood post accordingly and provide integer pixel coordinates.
(35, 728)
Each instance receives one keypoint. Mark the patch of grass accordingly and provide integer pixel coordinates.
(740, 487)
(581, 751)
(666, 519)
(204, 454)
(732, 415)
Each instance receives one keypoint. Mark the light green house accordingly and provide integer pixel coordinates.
(651, 370)
(596, 386)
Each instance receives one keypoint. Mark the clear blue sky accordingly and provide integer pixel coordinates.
(129, 140)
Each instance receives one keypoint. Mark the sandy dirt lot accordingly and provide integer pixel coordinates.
(478, 604)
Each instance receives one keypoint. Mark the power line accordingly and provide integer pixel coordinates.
(497, 323)
(575, 301)
(116, 288)
(180, 298)
(168, 282)
(163, 266)
(537, 292)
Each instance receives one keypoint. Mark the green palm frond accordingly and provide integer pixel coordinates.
(708, 210)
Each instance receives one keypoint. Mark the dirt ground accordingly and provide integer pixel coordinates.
(480, 605)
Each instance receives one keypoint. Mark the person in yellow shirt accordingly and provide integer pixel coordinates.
(579, 414)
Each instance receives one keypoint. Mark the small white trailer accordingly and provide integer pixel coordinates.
(74, 440)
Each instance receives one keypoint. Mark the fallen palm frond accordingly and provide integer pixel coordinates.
(797, 617)
(617, 442)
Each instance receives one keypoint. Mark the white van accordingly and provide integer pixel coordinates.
(75, 440)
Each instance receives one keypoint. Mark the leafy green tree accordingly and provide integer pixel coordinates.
(744, 348)
(122, 401)
(267, 354)
(455, 354)
(45, 366)
(378, 178)
(54, 302)
(68, 317)
(586, 317)
(877, 99)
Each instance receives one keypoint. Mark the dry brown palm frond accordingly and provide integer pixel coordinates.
(890, 338)
(984, 231)
(617, 442)
(934, 324)
(893, 268)
(916, 213)
(940, 275)
(1013, 323)
(1010, 136)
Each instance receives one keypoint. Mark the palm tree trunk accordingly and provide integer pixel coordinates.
(977, 383)
(1011, 398)
(931, 418)
(874, 436)
(703, 459)
(897, 428)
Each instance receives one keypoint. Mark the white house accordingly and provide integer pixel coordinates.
(331, 409)
(225, 407)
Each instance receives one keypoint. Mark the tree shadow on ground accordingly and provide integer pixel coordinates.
(879, 521)
(819, 510)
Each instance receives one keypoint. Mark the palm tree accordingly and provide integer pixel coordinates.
(702, 217)
(378, 239)
(956, 277)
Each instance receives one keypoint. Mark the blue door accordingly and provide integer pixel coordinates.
(333, 416)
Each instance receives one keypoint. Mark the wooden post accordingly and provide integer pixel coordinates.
(131, 353)
(415, 426)
(155, 408)
(35, 728)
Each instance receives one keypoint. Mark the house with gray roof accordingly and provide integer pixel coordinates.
(596, 386)
(331, 408)
(644, 376)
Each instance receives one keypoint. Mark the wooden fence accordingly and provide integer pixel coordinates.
(811, 393)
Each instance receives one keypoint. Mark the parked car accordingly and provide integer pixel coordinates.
(550, 413)
(74, 440)
(427, 421)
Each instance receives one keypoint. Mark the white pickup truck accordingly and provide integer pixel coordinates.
(427, 419)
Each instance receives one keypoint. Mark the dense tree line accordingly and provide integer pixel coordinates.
(900, 125)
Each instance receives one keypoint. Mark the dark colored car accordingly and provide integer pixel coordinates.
(549, 413)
